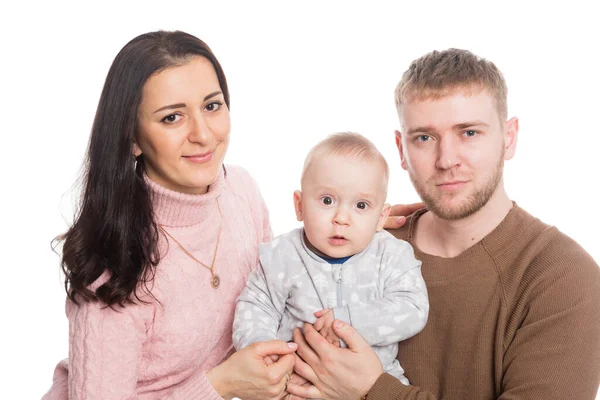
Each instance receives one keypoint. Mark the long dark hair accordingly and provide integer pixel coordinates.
(114, 230)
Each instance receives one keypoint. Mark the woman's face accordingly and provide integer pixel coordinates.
(183, 127)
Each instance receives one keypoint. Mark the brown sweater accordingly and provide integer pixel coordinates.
(515, 316)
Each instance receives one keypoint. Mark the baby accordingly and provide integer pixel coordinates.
(341, 265)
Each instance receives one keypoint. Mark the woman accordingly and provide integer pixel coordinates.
(164, 239)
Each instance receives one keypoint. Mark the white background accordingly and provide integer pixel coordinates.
(296, 74)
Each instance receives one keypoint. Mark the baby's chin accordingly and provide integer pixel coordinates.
(338, 251)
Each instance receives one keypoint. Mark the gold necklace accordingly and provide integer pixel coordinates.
(215, 281)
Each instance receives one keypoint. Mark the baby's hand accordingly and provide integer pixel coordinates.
(323, 326)
(272, 359)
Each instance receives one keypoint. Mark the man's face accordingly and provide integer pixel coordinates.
(454, 149)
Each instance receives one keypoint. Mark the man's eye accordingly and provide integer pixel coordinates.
(423, 138)
(327, 200)
(362, 205)
(471, 133)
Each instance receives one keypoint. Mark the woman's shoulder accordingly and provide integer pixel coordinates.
(238, 174)
(142, 302)
(240, 180)
(250, 201)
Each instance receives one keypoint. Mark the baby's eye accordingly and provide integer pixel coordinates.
(327, 200)
(362, 205)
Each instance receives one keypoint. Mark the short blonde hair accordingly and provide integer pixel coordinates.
(347, 144)
(438, 73)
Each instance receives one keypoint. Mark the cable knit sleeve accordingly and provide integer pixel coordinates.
(105, 353)
(105, 350)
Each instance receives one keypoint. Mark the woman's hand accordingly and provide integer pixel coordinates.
(246, 374)
(398, 214)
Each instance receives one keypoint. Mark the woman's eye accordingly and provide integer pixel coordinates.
(362, 205)
(171, 118)
(214, 106)
(327, 200)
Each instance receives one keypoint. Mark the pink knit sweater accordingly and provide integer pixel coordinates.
(157, 351)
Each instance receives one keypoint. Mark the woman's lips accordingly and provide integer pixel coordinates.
(200, 158)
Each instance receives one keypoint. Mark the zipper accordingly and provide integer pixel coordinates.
(337, 277)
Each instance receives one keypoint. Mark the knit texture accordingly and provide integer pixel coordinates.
(161, 349)
(515, 316)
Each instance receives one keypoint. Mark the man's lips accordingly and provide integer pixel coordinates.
(451, 185)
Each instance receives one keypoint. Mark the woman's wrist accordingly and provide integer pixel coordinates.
(217, 379)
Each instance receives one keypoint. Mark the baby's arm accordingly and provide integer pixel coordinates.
(401, 311)
(259, 308)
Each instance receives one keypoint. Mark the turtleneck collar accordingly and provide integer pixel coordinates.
(178, 209)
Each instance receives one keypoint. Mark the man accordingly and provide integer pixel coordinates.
(514, 303)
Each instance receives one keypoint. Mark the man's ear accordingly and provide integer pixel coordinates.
(400, 150)
(298, 204)
(510, 137)
(385, 211)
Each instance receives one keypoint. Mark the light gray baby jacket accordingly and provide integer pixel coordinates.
(379, 291)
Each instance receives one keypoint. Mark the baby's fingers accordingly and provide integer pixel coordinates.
(319, 324)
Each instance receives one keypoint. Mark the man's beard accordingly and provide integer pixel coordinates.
(470, 205)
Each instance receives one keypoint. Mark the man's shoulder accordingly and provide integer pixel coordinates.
(538, 254)
(528, 234)
(548, 276)
(557, 252)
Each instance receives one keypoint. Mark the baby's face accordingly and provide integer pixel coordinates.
(342, 204)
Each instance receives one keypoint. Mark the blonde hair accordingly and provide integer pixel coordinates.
(438, 73)
(347, 144)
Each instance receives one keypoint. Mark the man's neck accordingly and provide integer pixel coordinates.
(448, 239)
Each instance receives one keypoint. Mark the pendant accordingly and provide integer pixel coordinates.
(215, 281)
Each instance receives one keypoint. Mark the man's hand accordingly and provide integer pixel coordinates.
(398, 214)
(323, 326)
(336, 373)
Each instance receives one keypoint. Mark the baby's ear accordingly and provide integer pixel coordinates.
(385, 211)
(298, 204)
